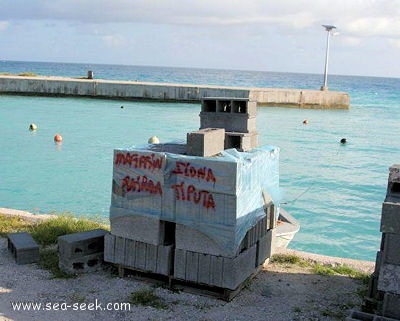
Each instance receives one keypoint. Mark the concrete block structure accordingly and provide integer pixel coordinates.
(236, 115)
(198, 212)
(206, 142)
(23, 248)
(81, 252)
(383, 301)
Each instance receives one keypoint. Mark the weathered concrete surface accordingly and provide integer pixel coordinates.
(132, 90)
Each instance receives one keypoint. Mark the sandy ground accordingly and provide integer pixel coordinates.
(277, 293)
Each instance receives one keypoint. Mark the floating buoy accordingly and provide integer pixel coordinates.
(153, 140)
(58, 138)
(122, 107)
(343, 141)
(32, 127)
(305, 121)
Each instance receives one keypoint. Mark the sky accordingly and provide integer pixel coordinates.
(263, 35)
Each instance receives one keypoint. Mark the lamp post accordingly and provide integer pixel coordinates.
(329, 29)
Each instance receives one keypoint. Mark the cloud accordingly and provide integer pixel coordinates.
(4, 25)
(357, 18)
(113, 40)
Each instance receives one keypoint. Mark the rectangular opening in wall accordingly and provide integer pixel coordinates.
(232, 142)
(224, 106)
(209, 106)
(169, 233)
(239, 107)
(395, 188)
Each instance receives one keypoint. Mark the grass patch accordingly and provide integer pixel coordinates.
(13, 224)
(341, 269)
(289, 259)
(47, 232)
(27, 74)
(322, 269)
(147, 297)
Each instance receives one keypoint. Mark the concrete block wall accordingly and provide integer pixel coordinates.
(139, 255)
(384, 287)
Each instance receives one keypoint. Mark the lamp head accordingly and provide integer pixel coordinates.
(328, 27)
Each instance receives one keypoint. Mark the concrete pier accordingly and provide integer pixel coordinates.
(133, 90)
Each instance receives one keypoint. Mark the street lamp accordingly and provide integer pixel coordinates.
(329, 29)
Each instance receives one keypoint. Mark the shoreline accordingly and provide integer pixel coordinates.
(362, 265)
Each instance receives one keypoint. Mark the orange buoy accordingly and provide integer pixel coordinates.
(32, 127)
(58, 138)
(305, 121)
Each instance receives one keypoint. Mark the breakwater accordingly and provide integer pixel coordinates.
(134, 90)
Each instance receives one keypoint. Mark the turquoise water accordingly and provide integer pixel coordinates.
(334, 190)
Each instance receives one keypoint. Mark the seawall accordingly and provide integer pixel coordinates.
(133, 90)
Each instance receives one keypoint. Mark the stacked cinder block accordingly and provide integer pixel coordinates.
(81, 252)
(198, 212)
(199, 259)
(384, 288)
(196, 219)
(236, 115)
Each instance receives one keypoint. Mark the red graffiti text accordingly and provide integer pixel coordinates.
(150, 162)
(191, 194)
(141, 184)
(185, 169)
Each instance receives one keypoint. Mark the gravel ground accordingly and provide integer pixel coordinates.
(279, 293)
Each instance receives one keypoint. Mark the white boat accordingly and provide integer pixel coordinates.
(286, 229)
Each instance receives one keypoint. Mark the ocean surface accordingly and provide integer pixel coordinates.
(335, 191)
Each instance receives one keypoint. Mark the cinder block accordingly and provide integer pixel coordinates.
(109, 248)
(206, 142)
(216, 270)
(265, 247)
(243, 142)
(140, 255)
(391, 305)
(229, 105)
(241, 123)
(389, 278)
(203, 276)
(119, 254)
(391, 252)
(23, 248)
(190, 239)
(81, 244)
(180, 264)
(390, 220)
(192, 266)
(151, 257)
(165, 255)
(129, 253)
(139, 228)
(237, 270)
(81, 264)
(393, 188)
